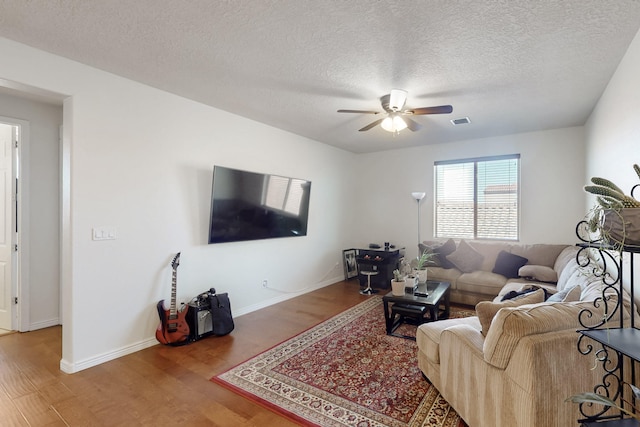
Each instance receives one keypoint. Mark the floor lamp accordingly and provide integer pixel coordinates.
(418, 196)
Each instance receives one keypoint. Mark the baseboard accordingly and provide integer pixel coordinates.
(285, 295)
(43, 324)
(71, 368)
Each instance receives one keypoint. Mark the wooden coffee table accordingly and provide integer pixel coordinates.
(435, 306)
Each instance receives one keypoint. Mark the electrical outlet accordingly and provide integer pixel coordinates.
(264, 284)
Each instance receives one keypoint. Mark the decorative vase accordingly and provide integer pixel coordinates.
(422, 275)
(397, 287)
(622, 226)
(411, 283)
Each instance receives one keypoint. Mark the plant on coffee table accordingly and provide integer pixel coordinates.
(398, 282)
(421, 266)
(397, 276)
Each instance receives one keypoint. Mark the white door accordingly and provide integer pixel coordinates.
(7, 138)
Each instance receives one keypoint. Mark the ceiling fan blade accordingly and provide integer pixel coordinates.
(371, 125)
(412, 124)
(359, 111)
(442, 109)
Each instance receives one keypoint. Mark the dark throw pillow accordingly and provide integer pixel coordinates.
(446, 249)
(508, 264)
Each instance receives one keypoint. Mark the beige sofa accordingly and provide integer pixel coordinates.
(516, 368)
(473, 268)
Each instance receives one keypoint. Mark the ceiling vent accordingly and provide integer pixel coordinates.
(461, 121)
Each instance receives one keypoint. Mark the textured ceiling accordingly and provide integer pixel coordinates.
(509, 65)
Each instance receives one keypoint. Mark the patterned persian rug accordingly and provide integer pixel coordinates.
(345, 372)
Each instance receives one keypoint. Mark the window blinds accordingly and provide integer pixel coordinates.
(477, 198)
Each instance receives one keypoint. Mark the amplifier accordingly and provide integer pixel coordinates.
(199, 320)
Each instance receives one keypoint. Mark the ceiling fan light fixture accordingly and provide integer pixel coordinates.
(397, 98)
(393, 105)
(393, 123)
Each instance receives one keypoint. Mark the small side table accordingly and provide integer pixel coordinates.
(369, 290)
(436, 303)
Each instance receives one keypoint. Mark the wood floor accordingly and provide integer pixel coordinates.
(159, 386)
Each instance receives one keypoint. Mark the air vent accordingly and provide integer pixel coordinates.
(461, 121)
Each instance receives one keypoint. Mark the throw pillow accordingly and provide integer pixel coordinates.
(567, 295)
(487, 309)
(445, 249)
(541, 273)
(508, 264)
(465, 258)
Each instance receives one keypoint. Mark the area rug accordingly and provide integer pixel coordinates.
(345, 372)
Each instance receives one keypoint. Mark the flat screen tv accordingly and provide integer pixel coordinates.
(252, 206)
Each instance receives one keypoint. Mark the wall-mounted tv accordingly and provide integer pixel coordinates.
(251, 206)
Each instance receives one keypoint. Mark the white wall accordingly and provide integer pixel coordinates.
(613, 134)
(43, 241)
(552, 172)
(613, 130)
(141, 161)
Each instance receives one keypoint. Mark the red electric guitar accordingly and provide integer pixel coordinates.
(173, 327)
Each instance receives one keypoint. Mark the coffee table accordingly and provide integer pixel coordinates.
(436, 304)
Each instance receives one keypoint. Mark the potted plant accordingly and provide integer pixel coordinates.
(421, 265)
(615, 219)
(397, 283)
(598, 399)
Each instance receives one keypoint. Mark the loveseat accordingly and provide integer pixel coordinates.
(517, 361)
(479, 270)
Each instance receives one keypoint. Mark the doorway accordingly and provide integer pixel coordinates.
(9, 180)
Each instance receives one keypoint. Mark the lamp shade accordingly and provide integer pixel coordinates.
(418, 195)
(393, 123)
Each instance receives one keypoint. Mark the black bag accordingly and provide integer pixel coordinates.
(220, 313)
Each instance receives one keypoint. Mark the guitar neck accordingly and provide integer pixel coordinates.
(173, 311)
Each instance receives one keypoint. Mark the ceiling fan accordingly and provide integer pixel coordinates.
(396, 119)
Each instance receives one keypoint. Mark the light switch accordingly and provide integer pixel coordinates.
(104, 233)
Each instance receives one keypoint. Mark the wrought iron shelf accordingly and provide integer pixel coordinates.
(616, 346)
(627, 422)
(605, 247)
(617, 337)
(622, 340)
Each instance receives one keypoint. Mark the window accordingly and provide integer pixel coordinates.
(478, 198)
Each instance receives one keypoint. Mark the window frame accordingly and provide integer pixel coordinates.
(475, 161)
